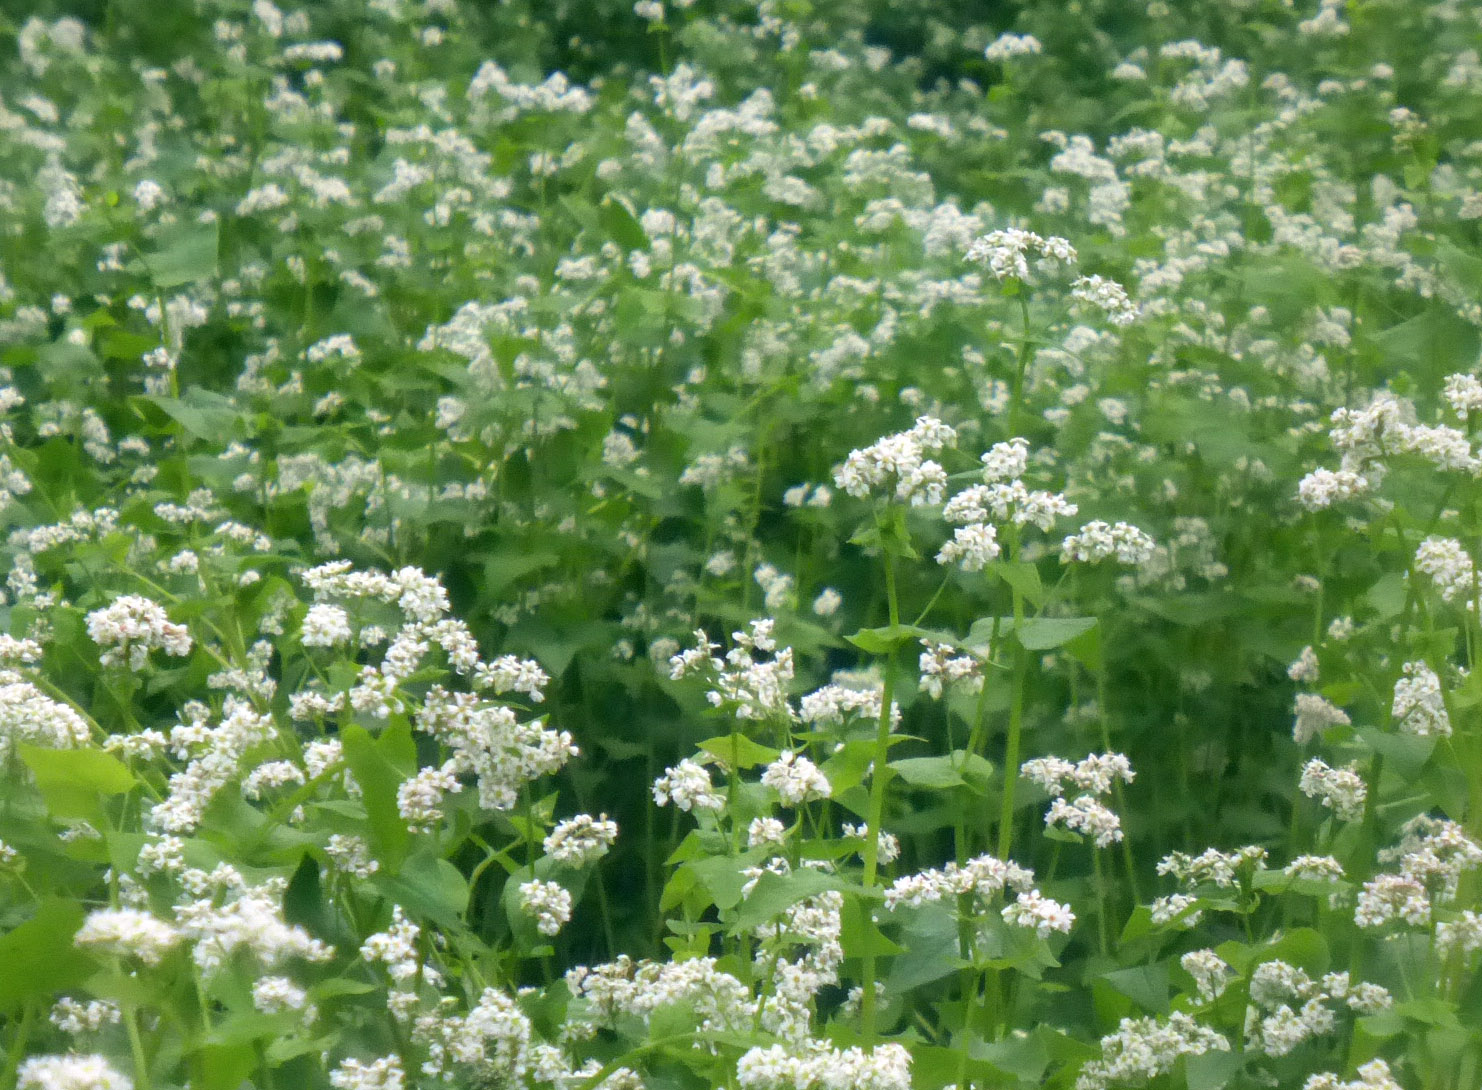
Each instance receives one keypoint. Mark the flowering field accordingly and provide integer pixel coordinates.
(773, 545)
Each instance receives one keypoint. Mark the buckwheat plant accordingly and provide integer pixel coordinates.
(777, 545)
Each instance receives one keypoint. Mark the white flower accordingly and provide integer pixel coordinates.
(130, 627)
(396, 947)
(897, 465)
(687, 785)
(1305, 668)
(1108, 296)
(325, 626)
(1324, 487)
(1313, 715)
(383, 1074)
(70, 1073)
(548, 902)
(1341, 790)
(1418, 706)
(795, 779)
(1004, 252)
(1097, 541)
(1033, 910)
(581, 840)
(1087, 816)
(128, 932)
(271, 994)
(1012, 45)
(973, 547)
(1446, 561)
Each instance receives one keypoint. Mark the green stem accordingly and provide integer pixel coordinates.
(1016, 727)
(878, 778)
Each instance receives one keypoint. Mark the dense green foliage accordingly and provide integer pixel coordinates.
(774, 545)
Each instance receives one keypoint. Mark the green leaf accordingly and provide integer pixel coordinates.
(188, 255)
(1407, 753)
(1045, 633)
(621, 225)
(379, 767)
(936, 772)
(738, 751)
(430, 885)
(220, 1066)
(1212, 1070)
(885, 641)
(71, 780)
(721, 877)
(929, 935)
(1387, 595)
(1022, 577)
(1024, 1056)
(40, 957)
(204, 413)
(1145, 985)
(775, 893)
(1302, 947)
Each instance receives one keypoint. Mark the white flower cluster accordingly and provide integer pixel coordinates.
(128, 932)
(215, 756)
(581, 840)
(548, 902)
(70, 1072)
(1373, 1075)
(885, 1067)
(1006, 252)
(1342, 790)
(130, 627)
(325, 625)
(1003, 497)
(1097, 541)
(351, 855)
(491, 1044)
(1384, 429)
(395, 948)
(1012, 45)
(70, 1016)
(1144, 1048)
(1211, 973)
(754, 688)
(898, 467)
(831, 705)
(251, 920)
(1107, 296)
(490, 743)
(1314, 867)
(1288, 1007)
(274, 994)
(687, 785)
(796, 779)
(1322, 488)
(986, 878)
(1092, 777)
(638, 989)
(1212, 866)
(30, 717)
(419, 596)
(1450, 567)
(1313, 714)
(385, 1073)
(942, 667)
(1433, 855)
(1033, 910)
(1419, 707)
